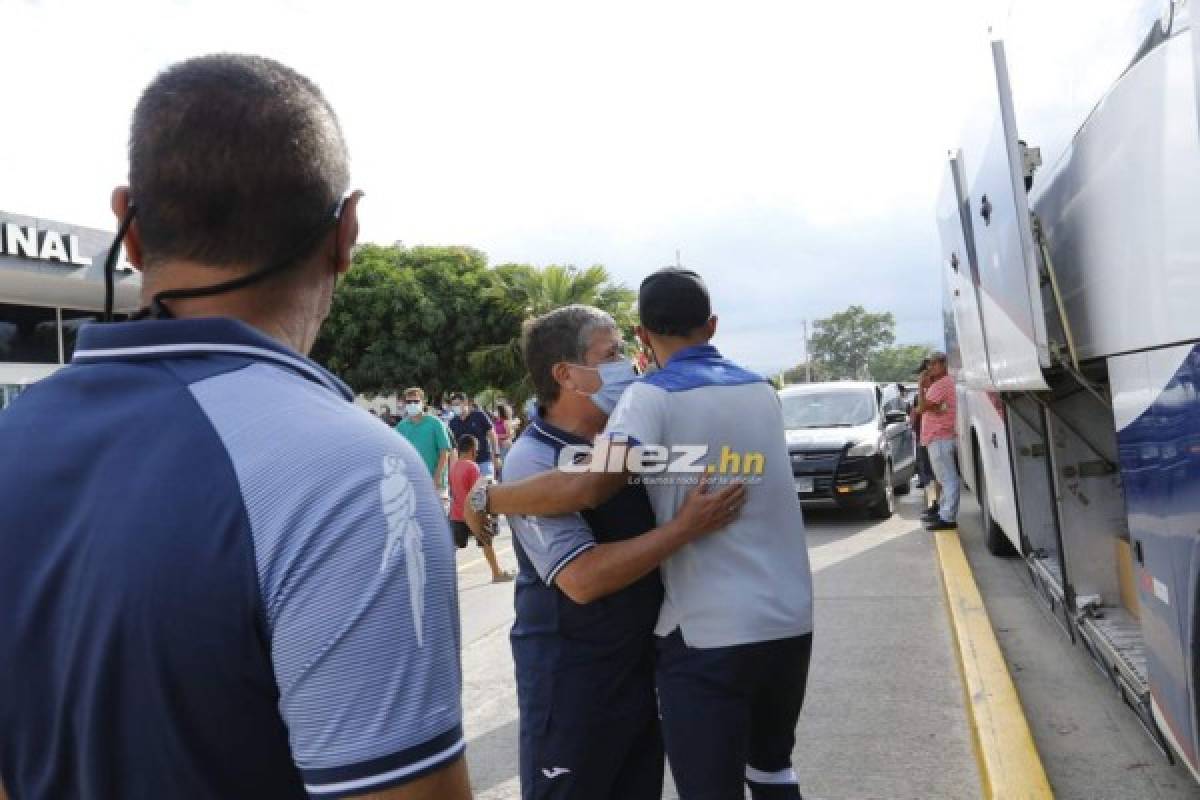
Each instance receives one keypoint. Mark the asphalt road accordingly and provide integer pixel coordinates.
(884, 716)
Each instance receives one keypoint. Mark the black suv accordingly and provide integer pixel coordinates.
(851, 445)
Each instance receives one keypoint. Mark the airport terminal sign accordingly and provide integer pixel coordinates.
(41, 244)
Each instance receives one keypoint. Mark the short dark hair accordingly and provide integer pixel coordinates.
(466, 443)
(458, 396)
(673, 302)
(233, 159)
(560, 335)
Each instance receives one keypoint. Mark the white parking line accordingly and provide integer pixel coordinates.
(823, 556)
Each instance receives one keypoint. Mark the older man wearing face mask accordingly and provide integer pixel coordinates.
(588, 592)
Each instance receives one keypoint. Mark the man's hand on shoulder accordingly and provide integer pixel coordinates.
(709, 508)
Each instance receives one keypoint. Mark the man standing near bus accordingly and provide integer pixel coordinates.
(735, 629)
(939, 431)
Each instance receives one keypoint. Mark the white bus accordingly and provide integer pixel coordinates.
(1071, 274)
(51, 283)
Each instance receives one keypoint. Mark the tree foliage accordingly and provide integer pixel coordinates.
(439, 318)
(897, 364)
(844, 343)
(412, 317)
(527, 292)
(800, 373)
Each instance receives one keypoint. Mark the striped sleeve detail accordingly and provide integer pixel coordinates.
(567, 559)
(381, 773)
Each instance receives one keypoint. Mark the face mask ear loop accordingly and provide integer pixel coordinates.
(159, 310)
(110, 264)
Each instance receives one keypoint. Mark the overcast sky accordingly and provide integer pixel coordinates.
(791, 151)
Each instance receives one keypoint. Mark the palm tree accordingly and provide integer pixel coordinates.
(530, 292)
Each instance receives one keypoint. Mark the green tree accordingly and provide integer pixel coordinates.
(897, 364)
(412, 317)
(844, 343)
(527, 292)
(801, 372)
(439, 318)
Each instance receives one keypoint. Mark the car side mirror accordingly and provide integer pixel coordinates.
(892, 417)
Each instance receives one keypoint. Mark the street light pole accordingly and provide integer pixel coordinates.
(807, 356)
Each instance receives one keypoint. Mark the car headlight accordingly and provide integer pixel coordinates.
(867, 448)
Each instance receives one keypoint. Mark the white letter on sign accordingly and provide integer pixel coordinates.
(73, 249)
(53, 248)
(23, 239)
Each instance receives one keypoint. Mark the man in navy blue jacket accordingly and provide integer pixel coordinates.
(219, 577)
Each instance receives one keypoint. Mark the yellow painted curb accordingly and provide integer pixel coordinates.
(1009, 765)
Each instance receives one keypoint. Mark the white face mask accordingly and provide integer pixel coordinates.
(456, 408)
(413, 408)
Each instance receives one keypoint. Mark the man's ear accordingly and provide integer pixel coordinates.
(710, 327)
(121, 205)
(347, 232)
(561, 372)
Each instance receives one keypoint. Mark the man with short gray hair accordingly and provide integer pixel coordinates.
(588, 592)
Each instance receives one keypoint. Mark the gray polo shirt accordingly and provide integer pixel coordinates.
(549, 542)
(749, 582)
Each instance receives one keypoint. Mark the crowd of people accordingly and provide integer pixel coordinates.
(458, 446)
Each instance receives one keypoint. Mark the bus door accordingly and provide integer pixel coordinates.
(960, 275)
(1014, 325)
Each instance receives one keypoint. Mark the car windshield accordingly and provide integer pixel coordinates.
(833, 408)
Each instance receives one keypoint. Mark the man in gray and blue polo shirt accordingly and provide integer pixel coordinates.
(735, 629)
(219, 578)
